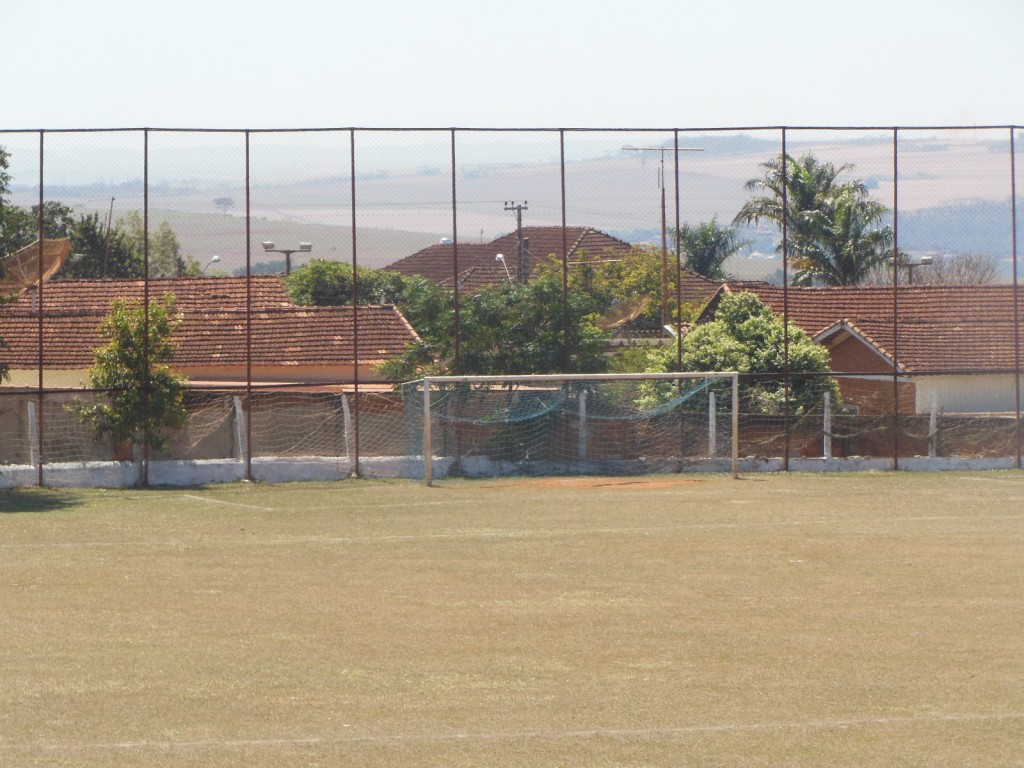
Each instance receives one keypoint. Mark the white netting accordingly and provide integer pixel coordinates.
(568, 425)
(300, 424)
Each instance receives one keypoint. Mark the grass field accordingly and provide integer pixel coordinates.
(797, 620)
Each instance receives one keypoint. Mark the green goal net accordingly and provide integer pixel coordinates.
(610, 424)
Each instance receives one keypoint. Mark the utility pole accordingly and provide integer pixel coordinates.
(664, 229)
(106, 243)
(522, 268)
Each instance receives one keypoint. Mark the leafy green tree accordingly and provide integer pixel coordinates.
(5, 175)
(326, 283)
(5, 190)
(20, 226)
(519, 329)
(707, 246)
(505, 329)
(145, 398)
(608, 282)
(746, 336)
(834, 230)
(105, 252)
(5, 180)
(165, 259)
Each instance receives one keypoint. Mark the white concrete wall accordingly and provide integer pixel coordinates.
(967, 394)
(192, 473)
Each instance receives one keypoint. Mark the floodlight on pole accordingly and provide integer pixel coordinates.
(925, 261)
(268, 246)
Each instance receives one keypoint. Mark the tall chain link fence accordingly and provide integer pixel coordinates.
(927, 364)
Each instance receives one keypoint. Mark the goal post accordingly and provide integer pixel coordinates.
(564, 424)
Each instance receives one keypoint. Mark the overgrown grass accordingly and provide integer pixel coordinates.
(868, 620)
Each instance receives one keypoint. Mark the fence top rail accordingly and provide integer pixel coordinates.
(538, 129)
(428, 380)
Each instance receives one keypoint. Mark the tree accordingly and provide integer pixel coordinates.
(504, 329)
(5, 176)
(609, 282)
(747, 337)
(145, 398)
(20, 226)
(165, 259)
(5, 190)
(326, 283)
(834, 230)
(707, 246)
(520, 329)
(105, 251)
(224, 203)
(957, 269)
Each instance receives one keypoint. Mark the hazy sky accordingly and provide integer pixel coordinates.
(527, 63)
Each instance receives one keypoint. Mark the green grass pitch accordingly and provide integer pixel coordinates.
(807, 620)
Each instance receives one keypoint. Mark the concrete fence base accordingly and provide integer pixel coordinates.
(113, 474)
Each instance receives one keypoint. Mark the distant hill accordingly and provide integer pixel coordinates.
(204, 234)
(975, 227)
(952, 189)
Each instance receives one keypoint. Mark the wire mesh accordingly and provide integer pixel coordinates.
(201, 205)
(556, 427)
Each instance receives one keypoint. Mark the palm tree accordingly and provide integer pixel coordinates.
(707, 246)
(833, 228)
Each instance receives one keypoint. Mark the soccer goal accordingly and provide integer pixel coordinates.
(572, 424)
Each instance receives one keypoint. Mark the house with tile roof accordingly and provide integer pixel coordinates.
(478, 265)
(229, 325)
(954, 348)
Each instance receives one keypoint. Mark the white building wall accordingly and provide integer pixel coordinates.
(967, 394)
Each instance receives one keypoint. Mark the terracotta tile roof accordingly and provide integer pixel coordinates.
(193, 293)
(478, 277)
(295, 336)
(941, 328)
(436, 261)
(213, 330)
(697, 289)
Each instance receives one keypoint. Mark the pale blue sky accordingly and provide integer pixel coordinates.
(527, 63)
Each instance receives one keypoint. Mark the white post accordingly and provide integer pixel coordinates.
(826, 427)
(346, 417)
(582, 448)
(933, 427)
(33, 434)
(735, 425)
(240, 430)
(428, 464)
(712, 426)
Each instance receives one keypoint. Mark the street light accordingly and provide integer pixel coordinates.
(213, 260)
(501, 257)
(268, 246)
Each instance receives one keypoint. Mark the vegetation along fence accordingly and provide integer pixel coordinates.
(195, 305)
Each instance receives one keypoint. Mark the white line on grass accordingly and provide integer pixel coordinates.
(551, 533)
(521, 533)
(383, 505)
(227, 503)
(468, 736)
